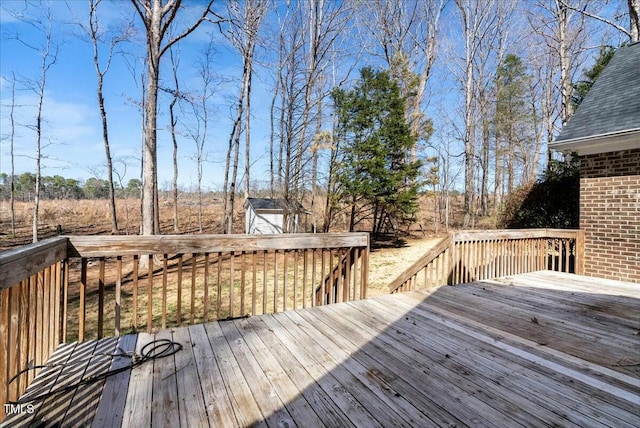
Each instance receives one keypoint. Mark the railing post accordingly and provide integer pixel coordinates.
(365, 271)
(579, 256)
(452, 245)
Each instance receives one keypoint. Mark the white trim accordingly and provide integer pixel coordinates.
(603, 143)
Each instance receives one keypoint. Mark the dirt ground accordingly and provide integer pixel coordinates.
(385, 264)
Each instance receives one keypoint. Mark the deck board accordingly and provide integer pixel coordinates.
(282, 385)
(538, 380)
(217, 403)
(114, 393)
(164, 399)
(426, 366)
(244, 405)
(137, 409)
(192, 410)
(469, 355)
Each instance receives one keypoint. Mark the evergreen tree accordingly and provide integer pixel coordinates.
(513, 120)
(552, 201)
(375, 178)
(589, 77)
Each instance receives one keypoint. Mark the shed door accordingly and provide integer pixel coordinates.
(267, 223)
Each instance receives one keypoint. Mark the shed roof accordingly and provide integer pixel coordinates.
(274, 205)
(608, 119)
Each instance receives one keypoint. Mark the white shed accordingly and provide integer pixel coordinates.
(267, 216)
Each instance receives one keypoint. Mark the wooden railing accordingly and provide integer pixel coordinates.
(467, 256)
(161, 281)
(335, 286)
(86, 287)
(32, 283)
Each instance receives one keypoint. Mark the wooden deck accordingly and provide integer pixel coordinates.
(539, 349)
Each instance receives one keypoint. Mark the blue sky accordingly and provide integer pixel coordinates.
(72, 138)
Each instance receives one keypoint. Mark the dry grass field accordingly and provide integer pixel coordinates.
(90, 217)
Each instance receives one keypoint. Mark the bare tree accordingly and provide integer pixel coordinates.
(120, 174)
(157, 17)
(97, 37)
(494, 48)
(140, 79)
(199, 101)
(310, 34)
(406, 35)
(12, 121)
(564, 32)
(478, 19)
(48, 53)
(543, 107)
(634, 18)
(243, 33)
(172, 128)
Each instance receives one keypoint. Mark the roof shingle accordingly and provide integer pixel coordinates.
(613, 103)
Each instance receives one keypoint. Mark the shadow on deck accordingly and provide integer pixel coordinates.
(536, 349)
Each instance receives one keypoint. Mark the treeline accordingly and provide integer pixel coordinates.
(58, 187)
(462, 94)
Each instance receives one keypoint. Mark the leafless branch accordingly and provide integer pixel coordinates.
(596, 17)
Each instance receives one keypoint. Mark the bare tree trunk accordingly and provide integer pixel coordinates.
(469, 143)
(315, 21)
(272, 138)
(407, 34)
(432, 10)
(49, 55)
(172, 124)
(484, 188)
(498, 171)
(100, 73)
(308, 35)
(105, 136)
(201, 114)
(510, 159)
(243, 35)
(227, 169)
(281, 142)
(150, 173)
(142, 150)
(468, 88)
(314, 168)
(533, 166)
(232, 187)
(566, 109)
(232, 164)
(12, 120)
(634, 20)
(247, 136)
(157, 18)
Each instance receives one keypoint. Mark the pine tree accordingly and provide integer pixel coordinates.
(375, 178)
(512, 123)
(589, 77)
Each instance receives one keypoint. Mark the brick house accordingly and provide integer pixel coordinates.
(605, 134)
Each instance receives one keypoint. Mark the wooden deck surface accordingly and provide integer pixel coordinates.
(539, 349)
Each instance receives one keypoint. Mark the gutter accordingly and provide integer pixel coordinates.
(602, 143)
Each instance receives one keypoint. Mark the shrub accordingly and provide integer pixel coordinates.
(552, 201)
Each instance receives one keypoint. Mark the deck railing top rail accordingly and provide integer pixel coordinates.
(481, 235)
(480, 254)
(21, 263)
(110, 246)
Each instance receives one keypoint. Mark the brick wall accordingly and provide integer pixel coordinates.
(610, 214)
